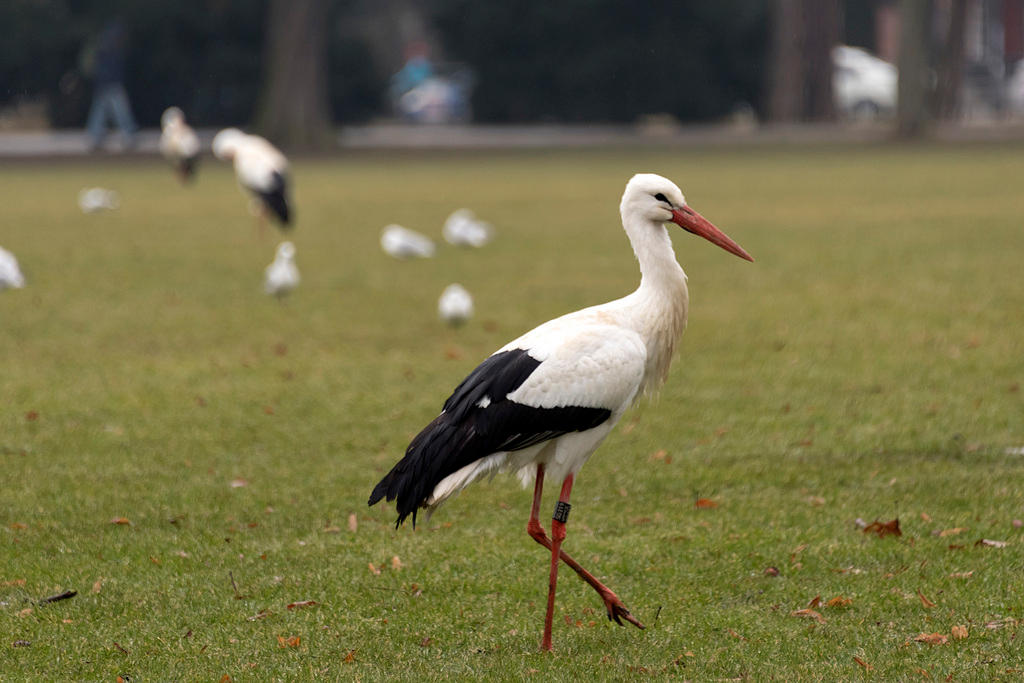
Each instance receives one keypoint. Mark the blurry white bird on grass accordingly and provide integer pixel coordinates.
(403, 243)
(10, 273)
(282, 275)
(463, 229)
(455, 306)
(95, 199)
(262, 170)
(179, 143)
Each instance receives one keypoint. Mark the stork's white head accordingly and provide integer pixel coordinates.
(286, 251)
(659, 200)
(172, 116)
(225, 143)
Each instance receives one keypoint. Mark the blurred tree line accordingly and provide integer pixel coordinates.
(295, 67)
(575, 60)
(206, 56)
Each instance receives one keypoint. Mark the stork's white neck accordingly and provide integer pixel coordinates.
(658, 308)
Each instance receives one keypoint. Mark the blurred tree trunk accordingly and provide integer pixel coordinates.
(803, 35)
(786, 86)
(951, 63)
(293, 109)
(912, 108)
(822, 20)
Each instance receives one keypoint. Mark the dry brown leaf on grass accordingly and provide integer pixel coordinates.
(925, 601)
(959, 632)
(239, 483)
(961, 575)
(353, 522)
(839, 601)
(225, 679)
(987, 542)
(808, 614)
(374, 569)
(863, 664)
(302, 603)
(952, 532)
(97, 585)
(883, 529)
(121, 520)
(262, 614)
(815, 601)
(396, 563)
(18, 526)
(932, 638)
(705, 504)
(292, 641)
(350, 657)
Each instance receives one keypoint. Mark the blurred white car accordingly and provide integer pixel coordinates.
(1015, 89)
(863, 85)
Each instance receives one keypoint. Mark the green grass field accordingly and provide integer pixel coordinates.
(868, 365)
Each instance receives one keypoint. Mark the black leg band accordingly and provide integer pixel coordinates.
(561, 512)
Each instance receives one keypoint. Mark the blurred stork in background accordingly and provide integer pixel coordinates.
(179, 143)
(261, 169)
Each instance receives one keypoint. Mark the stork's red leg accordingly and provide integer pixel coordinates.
(616, 609)
(557, 536)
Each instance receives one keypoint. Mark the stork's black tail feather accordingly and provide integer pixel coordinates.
(411, 481)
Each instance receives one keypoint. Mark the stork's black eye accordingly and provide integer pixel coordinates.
(660, 197)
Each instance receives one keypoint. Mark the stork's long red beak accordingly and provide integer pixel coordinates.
(691, 221)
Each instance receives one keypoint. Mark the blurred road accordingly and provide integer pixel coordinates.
(74, 143)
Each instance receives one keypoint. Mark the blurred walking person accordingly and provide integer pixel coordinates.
(110, 99)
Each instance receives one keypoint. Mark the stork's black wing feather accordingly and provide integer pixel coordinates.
(478, 419)
(276, 199)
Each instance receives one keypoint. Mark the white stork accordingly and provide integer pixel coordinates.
(455, 306)
(179, 143)
(544, 402)
(10, 273)
(282, 275)
(261, 169)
